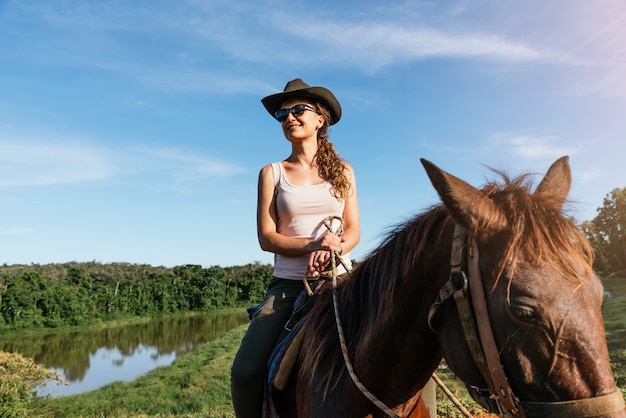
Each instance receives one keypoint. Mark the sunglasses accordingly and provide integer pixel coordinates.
(281, 115)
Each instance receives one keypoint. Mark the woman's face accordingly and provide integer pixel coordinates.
(304, 124)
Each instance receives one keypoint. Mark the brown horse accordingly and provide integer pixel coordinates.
(542, 298)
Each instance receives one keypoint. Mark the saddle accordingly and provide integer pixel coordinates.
(287, 348)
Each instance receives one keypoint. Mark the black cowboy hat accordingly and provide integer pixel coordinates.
(298, 89)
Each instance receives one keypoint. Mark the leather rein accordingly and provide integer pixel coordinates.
(474, 316)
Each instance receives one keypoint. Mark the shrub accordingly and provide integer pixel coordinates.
(20, 377)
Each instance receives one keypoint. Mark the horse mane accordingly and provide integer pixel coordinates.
(371, 294)
(538, 233)
(414, 259)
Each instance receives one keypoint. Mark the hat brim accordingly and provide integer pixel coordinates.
(319, 95)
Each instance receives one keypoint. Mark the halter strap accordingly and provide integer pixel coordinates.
(474, 318)
(498, 381)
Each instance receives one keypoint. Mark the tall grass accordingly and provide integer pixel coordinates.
(198, 384)
(613, 309)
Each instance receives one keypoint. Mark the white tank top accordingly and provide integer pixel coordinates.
(301, 211)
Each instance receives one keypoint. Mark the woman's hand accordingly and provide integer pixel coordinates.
(320, 258)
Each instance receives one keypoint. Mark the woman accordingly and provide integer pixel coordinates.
(310, 185)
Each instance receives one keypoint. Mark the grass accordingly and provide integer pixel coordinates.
(615, 327)
(198, 384)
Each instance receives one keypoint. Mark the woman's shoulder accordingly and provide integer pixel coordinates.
(269, 167)
(271, 172)
(265, 170)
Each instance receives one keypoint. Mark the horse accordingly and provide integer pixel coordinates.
(527, 262)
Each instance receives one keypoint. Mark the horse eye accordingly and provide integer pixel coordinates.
(525, 313)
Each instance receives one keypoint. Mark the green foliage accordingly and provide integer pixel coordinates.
(20, 376)
(71, 294)
(607, 233)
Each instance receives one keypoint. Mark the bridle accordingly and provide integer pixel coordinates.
(499, 398)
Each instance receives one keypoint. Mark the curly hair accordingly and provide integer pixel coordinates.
(330, 165)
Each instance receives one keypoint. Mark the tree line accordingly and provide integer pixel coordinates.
(55, 295)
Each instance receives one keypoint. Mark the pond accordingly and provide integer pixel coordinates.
(93, 357)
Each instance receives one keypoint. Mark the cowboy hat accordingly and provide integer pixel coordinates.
(298, 89)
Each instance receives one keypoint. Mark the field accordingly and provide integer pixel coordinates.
(198, 384)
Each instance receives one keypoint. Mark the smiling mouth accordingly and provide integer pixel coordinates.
(292, 127)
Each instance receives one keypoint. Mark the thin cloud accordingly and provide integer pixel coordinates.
(24, 163)
(42, 164)
(533, 147)
(252, 33)
(195, 80)
(382, 44)
(604, 81)
(591, 174)
(184, 166)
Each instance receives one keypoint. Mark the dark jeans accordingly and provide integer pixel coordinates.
(248, 369)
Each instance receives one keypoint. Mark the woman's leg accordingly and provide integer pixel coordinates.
(248, 370)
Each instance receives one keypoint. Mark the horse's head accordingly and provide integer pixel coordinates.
(542, 298)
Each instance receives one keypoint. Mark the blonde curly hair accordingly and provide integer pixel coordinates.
(331, 165)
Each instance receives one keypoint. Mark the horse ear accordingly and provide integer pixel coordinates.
(554, 187)
(469, 206)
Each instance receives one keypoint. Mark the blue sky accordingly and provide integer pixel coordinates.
(132, 131)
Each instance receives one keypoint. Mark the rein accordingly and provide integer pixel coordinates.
(342, 340)
(476, 324)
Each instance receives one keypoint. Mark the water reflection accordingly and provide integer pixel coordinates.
(91, 358)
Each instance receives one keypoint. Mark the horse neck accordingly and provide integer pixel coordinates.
(390, 293)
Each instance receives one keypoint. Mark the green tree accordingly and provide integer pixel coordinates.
(250, 281)
(607, 233)
(163, 293)
(24, 299)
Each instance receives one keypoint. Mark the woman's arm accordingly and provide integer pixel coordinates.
(269, 239)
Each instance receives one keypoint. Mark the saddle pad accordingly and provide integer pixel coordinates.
(283, 358)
